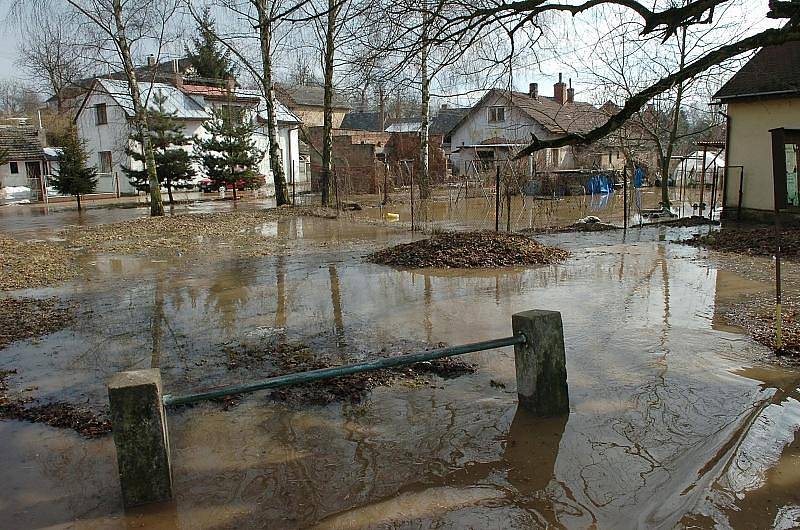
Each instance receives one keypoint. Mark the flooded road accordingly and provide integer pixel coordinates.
(675, 421)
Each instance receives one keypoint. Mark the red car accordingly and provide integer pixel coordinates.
(208, 186)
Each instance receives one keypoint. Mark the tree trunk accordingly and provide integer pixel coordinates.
(424, 148)
(673, 133)
(327, 126)
(168, 184)
(78, 198)
(140, 113)
(265, 38)
(381, 108)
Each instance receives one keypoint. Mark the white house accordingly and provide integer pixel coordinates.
(501, 124)
(104, 122)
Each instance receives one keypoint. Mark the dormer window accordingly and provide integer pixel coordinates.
(497, 114)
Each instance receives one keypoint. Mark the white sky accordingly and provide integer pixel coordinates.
(578, 41)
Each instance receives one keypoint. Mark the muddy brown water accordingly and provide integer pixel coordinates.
(675, 421)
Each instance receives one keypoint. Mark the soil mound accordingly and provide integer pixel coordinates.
(753, 241)
(469, 250)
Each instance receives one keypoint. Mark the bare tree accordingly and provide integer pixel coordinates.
(50, 55)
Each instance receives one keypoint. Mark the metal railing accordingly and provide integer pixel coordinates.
(138, 407)
(338, 371)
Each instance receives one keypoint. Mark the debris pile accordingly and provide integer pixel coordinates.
(29, 264)
(292, 357)
(25, 318)
(468, 250)
(55, 414)
(753, 241)
(689, 222)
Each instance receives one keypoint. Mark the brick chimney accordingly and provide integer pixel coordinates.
(533, 90)
(179, 80)
(570, 93)
(558, 90)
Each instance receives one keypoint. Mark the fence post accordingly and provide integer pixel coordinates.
(541, 363)
(140, 436)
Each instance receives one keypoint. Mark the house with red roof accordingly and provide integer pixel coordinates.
(502, 122)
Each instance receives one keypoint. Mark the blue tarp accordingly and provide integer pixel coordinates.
(600, 184)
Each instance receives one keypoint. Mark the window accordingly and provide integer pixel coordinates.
(100, 115)
(786, 160)
(497, 114)
(554, 157)
(14, 168)
(792, 190)
(105, 162)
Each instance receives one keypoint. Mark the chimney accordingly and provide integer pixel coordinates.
(179, 80)
(230, 83)
(570, 93)
(558, 90)
(533, 90)
(151, 60)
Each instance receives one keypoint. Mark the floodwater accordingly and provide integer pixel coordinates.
(675, 421)
(456, 208)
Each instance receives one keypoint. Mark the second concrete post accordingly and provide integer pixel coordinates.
(541, 363)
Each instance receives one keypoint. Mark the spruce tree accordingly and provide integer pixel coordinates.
(74, 177)
(229, 154)
(209, 59)
(173, 163)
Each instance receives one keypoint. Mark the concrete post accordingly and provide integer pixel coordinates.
(541, 363)
(140, 435)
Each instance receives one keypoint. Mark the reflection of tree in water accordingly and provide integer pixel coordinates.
(229, 291)
(336, 302)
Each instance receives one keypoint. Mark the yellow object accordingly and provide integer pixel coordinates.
(392, 216)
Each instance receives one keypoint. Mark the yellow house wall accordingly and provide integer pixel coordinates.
(314, 116)
(751, 147)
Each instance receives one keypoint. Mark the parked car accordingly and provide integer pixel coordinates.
(208, 186)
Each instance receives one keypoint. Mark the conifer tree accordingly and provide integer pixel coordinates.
(209, 59)
(229, 154)
(173, 163)
(74, 177)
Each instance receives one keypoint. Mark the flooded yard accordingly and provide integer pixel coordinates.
(677, 418)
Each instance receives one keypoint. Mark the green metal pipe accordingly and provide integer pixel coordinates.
(337, 371)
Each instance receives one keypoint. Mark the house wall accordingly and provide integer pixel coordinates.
(750, 146)
(313, 116)
(17, 179)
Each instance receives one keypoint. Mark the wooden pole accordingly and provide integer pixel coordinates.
(497, 199)
(625, 197)
(778, 179)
